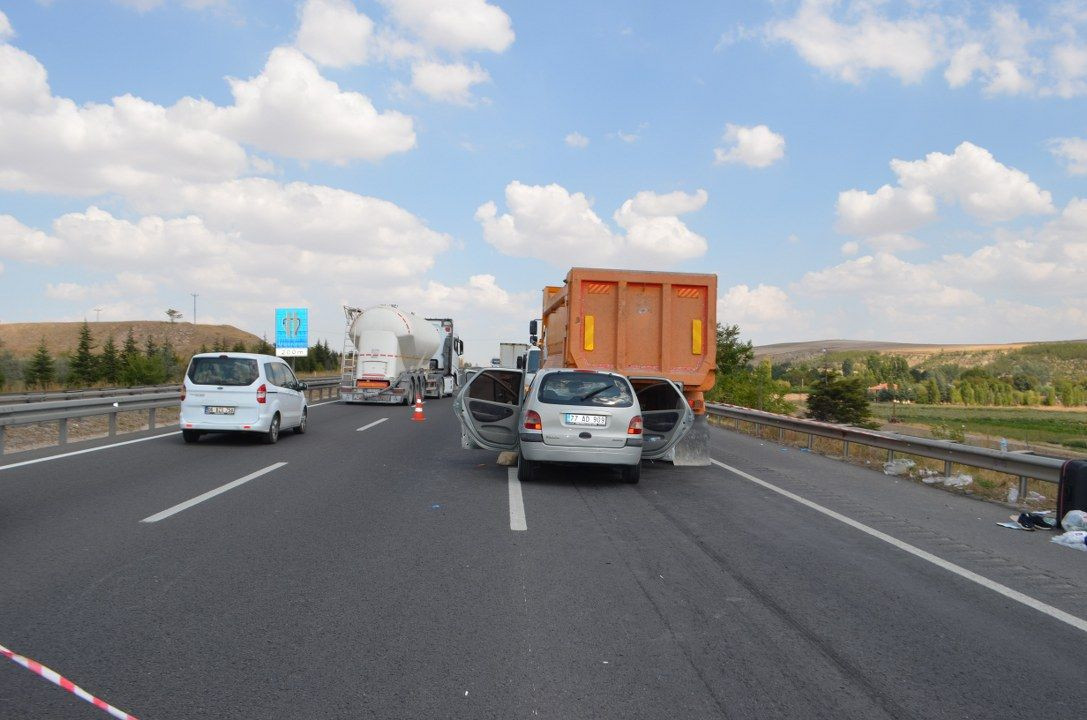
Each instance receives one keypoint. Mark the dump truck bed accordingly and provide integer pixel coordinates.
(637, 322)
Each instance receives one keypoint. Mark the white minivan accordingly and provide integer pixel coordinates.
(241, 392)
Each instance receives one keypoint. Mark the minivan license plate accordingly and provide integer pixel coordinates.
(598, 420)
(216, 410)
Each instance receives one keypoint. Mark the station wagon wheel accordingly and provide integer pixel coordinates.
(272, 435)
(302, 423)
(526, 469)
(631, 473)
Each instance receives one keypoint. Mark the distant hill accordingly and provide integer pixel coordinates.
(965, 354)
(21, 339)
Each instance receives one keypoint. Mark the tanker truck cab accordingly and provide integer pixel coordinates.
(572, 416)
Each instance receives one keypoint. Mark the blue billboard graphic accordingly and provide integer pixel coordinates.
(292, 332)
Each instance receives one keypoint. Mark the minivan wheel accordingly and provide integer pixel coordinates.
(631, 473)
(190, 436)
(526, 469)
(272, 435)
(302, 423)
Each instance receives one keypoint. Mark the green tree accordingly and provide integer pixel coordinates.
(41, 370)
(847, 366)
(219, 346)
(932, 391)
(109, 362)
(150, 348)
(239, 347)
(82, 368)
(732, 355)
(840, 400)
(263, 348)
(129, 349)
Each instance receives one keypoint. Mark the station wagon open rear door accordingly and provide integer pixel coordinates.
(489, 408)
(666, 416)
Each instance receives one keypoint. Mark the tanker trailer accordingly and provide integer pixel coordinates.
(387, 352)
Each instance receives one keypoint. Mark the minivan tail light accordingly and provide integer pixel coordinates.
(533, 421)
(183, 393)
(635, 426)
(262, 394)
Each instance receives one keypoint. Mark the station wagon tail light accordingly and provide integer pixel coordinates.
(635, 426)
(533, 421)
(262, 394)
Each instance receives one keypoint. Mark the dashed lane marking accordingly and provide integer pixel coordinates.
(210, 494)
(373, 424)
(517, 503)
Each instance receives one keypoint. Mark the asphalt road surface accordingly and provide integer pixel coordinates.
(383, 573)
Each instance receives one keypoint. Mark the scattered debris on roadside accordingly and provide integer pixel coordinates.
(898, 467)
(955, 481)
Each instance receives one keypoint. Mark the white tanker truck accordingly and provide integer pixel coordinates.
(392, 355)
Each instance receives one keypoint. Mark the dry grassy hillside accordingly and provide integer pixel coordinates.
(967, 355)
(21, 339)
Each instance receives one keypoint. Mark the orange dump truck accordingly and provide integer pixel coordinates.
(645, 325)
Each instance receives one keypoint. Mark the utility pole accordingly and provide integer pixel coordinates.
(97, 314)
(194, 296)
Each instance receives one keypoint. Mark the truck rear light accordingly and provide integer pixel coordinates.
(262, 394)
(635, 426)
(533, 421)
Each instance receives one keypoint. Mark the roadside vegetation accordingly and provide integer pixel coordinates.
(153, 362)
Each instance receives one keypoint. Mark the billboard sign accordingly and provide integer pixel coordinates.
(292, 332)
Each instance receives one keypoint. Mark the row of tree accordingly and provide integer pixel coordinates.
(742, 382)
(153, 363)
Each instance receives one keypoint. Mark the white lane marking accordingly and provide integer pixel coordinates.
(375, 422)
(962, 572)
(517, 503)
(326, 402)
(210, 494)
(112, 445)
(88, 450)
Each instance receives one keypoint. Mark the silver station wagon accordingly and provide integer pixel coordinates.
(573, 416)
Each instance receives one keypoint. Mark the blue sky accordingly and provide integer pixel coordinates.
(871, 170)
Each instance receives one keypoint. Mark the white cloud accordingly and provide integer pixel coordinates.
(6, 31)
(1072, 151)
(907, 48)
(576, 140)
(756, 146)
(454, 25)
(755, 309)
(850, 248)
(550, 223)
(1005, 53)
(970, 178)
(51, 144)
(334, 33)
(451, 83)
(627, 137)
(291, 110)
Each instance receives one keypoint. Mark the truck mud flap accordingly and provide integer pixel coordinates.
(693, 449)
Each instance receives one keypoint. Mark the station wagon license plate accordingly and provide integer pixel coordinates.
(595, 420)
(218, 410)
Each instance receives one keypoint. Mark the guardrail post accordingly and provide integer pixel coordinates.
(890, 455)
(845, 448)
(947, 468)
(1023, 490)
(62, 431)
(758, 430)
(781, 435)
(112, 424)
(151, 418)
(811, 439)
(1, 439)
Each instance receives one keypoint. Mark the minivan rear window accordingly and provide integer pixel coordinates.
(223, 371)
(585, 388)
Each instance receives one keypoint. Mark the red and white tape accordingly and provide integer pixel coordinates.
(58, 679)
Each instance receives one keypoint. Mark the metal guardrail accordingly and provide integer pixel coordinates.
(42, 396)
(147, 400)
(1038, 467)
